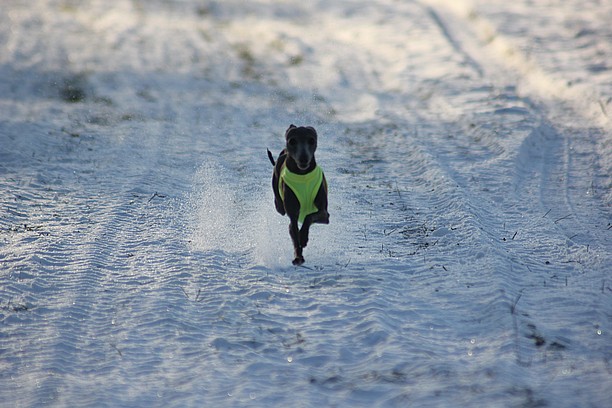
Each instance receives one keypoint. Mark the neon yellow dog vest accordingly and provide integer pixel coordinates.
(304, 186)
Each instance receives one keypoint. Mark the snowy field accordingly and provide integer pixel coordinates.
(468, 150)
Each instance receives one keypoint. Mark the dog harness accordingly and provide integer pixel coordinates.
(304, 186)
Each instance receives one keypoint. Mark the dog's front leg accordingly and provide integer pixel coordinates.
(320, 217)
(292, 207)
(304, 231)
(295, 237)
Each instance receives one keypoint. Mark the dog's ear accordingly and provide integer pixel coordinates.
(291, 127)
(312, 130)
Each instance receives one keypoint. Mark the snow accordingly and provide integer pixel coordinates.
(468, 150)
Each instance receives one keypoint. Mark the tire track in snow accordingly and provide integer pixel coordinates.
(83, 274)
(88, 279)
(441, 179)
(557, 161)
(454, 42)
(509, 263)
(480, 36)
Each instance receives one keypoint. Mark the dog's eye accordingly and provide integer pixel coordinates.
(311, 142)
(292, 142)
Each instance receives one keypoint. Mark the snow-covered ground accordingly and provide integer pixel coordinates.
(468, 149)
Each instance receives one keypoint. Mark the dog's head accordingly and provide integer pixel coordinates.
(301, 145)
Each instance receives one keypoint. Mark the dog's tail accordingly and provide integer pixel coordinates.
(271, 157)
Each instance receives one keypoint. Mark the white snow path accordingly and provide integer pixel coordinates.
(469, 156)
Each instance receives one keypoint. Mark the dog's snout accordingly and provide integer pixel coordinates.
(303, 156)
(303, 163)
(303, 159)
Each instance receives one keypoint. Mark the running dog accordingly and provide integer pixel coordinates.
(299, 185)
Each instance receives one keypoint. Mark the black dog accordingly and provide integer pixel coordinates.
(300, 188)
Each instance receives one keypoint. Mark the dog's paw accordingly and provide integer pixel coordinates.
(298, 261)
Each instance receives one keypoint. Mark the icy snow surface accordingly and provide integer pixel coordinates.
(468, 149)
